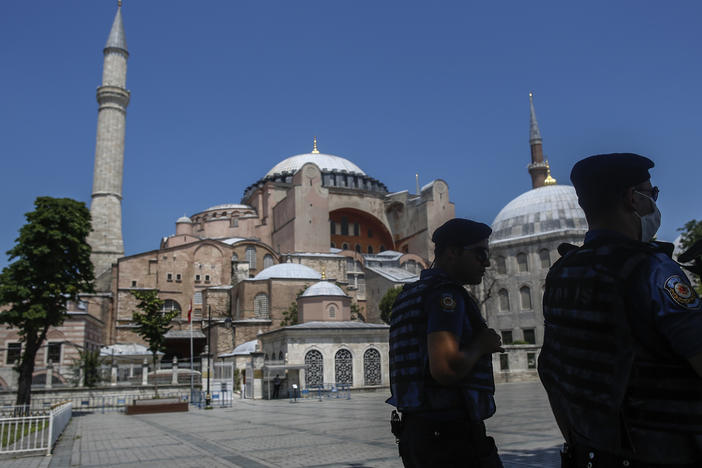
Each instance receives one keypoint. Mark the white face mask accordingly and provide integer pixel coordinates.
(650, 222)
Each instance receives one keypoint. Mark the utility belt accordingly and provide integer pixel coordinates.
(481, 447)
(584, 457)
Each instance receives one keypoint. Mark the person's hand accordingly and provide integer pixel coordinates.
(487, 341)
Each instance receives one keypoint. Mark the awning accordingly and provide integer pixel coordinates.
(183, 334)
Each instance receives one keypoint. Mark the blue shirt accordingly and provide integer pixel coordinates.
(669, 317)
(447, 310)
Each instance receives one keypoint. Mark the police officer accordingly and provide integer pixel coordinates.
(622, 354)
(440, 357)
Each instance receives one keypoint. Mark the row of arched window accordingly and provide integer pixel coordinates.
(268, 259)
(343, 367)
(525, 299)
(523, 262)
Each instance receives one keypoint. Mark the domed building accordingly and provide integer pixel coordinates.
(523, 246)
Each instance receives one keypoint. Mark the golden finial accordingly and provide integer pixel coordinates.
(314, 146)
(549, 180)
(530, 95)
(324, 273)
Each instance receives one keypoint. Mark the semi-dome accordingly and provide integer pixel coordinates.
(288, 270)
(323, 288)
(543, 210)
(325, 162)
(184, 219)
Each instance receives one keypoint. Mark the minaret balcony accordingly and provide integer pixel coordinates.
(114, 95)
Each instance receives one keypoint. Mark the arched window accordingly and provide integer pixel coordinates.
(411, 266)
(343, 367)
(501, 265)
(331, 310)
(522, 262)
(525, 295)
(314, 368)
(265, 357)
(169, 305)
(332, 228)
(261, 307)
(371, 367)
(345, 246)
(504, 300)
(545, 258)
(251, 256)
(267, 260)
(235, 257)
(280, 356)
(333, 245)
(358, 248)
(370, 249)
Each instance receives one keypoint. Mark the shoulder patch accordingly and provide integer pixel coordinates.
(447, 302)
(681, 292)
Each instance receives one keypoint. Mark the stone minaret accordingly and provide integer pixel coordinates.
(106, 206)
(538, 169)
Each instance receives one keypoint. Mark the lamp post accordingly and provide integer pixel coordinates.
(208, 396)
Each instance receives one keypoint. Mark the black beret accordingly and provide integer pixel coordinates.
(460, 232)
(606, 172)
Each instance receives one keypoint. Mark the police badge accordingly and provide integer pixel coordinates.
(681, 292)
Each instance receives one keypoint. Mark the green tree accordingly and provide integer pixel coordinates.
(88, 363)
(356, 312)
(691, 233)
(290, 315)
(152, 323)
(387, 302)
(51, 266)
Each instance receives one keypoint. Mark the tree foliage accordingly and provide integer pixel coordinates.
(356, 312)
(88, 364)
(690, 233)
(290, 315)
(387, 302)
(152, 323)
(51, 266)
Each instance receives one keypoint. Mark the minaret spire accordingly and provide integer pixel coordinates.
(106, 205)
(314, 146)
(538, 169)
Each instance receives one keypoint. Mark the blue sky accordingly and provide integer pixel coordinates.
(223, 90)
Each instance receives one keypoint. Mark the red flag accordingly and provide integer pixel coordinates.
(190, 311)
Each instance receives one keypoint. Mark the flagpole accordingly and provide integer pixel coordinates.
(190, 319)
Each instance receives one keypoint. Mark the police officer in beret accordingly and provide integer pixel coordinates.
(440, 357)
(622, 354)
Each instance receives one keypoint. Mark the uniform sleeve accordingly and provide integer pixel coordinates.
(445, 311)
(677, 308)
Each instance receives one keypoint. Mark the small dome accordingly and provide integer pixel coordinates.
(325, 162)
(323, 288)
(229, 206)
(184, 219)
(551, 208)
(288, 270)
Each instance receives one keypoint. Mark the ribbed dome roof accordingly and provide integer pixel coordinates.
(326, 162)
(323, 288)
(539, 211)
(288, 270)
(184, 219)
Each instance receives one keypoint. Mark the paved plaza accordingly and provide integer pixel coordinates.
(329, 433)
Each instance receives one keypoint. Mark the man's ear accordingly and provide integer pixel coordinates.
(628, 199)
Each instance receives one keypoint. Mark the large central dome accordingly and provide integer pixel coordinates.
(543, 210)
(325, 162)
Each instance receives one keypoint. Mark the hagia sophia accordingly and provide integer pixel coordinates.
(316, 234)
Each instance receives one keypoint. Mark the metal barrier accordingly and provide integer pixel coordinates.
(220, 399)
(92, 404)
(33, 433)
(335, 390)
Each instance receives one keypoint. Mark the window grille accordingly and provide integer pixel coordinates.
(197, 298)
(53, 353)
(332, 311)
(343, 367)
(545, 258)
(169, 305)
(261, 307)
(530, 336)
(507, 337)
(268, 260)
(531, 360)
(504, 361)
(522, 262)
(14, 351)
(251, 257)
(504, 299)
(525, 294)
(371, 367)
(314, 368)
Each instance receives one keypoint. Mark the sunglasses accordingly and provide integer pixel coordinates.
(653, 193)
(481, 253)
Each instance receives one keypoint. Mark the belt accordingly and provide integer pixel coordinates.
(592, 458)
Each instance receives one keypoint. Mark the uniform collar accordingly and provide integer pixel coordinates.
(600, 234)
(435, 274)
